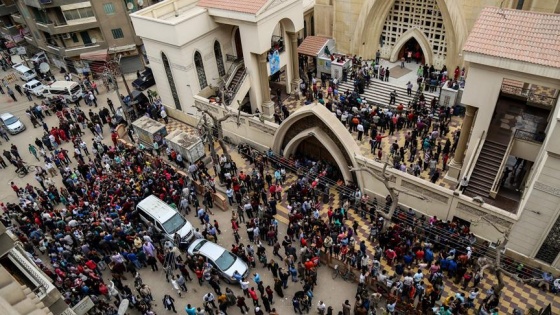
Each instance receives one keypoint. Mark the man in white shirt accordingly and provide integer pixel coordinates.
(321, 308)
(209, 298)
(418, 276)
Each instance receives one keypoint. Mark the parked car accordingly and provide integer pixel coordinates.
(225, 262)
(35, 87)
(12, 123)
(39, 58)
(145, 80)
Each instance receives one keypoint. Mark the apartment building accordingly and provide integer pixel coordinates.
(75, 33)
(11, 32)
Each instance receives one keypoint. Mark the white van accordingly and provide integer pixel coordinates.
(165, 219)
(35, 87)
(70, 90)
(24, 73)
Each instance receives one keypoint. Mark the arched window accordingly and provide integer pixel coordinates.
(200, 70)
(171, 81)
(219, 59)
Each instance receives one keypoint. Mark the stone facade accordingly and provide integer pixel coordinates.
(358, 25)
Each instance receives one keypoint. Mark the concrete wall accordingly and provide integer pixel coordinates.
(119, 19)
(181, 61)
(527, 150)
(540, 211)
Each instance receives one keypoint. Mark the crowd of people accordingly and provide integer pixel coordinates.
(428, 143)
(88, 226)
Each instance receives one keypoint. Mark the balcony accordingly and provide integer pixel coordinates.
(18, 19)
(70, 52)
(9, 30)
(41, 4)
(53, 29)
(8, 9)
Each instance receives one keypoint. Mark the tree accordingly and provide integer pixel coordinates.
(217, 124)
(496, 266)
(393, 191)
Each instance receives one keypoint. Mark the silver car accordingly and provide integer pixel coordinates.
(225, 262)
(12, 123)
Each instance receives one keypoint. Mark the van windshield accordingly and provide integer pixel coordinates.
(174, 223)
(75, 89)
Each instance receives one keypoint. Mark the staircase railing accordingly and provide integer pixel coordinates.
(42, 281)
(237, 86)
(472, 161)
(230, 75)
(497, 179)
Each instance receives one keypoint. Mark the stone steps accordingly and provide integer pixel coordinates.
(378, 93)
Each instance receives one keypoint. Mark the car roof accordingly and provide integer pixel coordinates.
(32, 82)
(157, 207)
(208, 249)
(6, 116)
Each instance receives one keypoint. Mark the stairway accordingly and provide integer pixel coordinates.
(486, 169)
(236, 78)
(19, 297)
(378, 93)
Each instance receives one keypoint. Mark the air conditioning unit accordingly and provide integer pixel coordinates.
(66, 36)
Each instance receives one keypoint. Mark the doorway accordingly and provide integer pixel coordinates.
(414, 48)
(85, 38)
(238, 46)
(311, 151)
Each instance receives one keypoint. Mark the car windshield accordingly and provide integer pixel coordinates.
(225, 261)
(11, 120)
(174, 223)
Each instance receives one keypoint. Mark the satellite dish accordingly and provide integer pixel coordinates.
(94, 40)
(140, 3)
(130, 5)
(44, 67)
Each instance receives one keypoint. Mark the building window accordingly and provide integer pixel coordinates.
(109, 8)
(551, 245)
(200, 70)
(74, 37)
(76, 14)
(117, 33)
(171, 81)
(219, 59)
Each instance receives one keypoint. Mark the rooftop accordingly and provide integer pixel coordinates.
(243, 6)
(312, 45)
(527, 36)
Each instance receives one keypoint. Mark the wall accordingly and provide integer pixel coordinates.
(527, 150)
(181, 61)
(251, 130)
(119, 19)
(540, 210)
(440, 202)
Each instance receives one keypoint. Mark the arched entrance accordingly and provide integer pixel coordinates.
(381, 23)
(238, 46)
(416, 40)
(314, 131)
(412, 48)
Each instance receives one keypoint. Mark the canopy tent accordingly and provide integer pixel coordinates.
(98, 55)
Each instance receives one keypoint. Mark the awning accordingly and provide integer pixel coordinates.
(312, 45)
(98, 55)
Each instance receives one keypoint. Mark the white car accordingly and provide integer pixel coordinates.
(225, 262)
(35, 87)
(12, 123)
